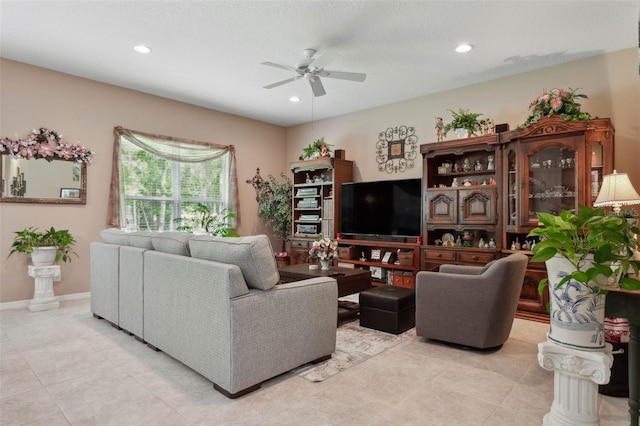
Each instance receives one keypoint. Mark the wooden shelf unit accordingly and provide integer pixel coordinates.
(317, 186)
(400, 275)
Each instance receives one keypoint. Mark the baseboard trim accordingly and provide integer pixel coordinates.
(21, 304)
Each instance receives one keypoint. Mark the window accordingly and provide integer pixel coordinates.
(160, 179)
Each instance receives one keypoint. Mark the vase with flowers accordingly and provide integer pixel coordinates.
(560, 102)
(324, 250)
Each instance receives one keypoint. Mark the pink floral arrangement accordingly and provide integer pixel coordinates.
(47, 144)
(562, 103)
(324, 249)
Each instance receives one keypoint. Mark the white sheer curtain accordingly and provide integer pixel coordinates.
(173, 149)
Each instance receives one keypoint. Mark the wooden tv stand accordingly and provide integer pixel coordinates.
(402, 274)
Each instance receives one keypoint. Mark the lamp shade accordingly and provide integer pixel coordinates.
(617, 191)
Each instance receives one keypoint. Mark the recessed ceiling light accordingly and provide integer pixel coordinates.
(464, 48)
(141, 48)
(294, 99)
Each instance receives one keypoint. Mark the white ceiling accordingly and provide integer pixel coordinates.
(209, 53)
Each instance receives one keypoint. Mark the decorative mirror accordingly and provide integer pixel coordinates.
(43, 169)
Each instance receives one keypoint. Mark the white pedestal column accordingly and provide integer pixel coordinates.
(43, 296)
(576, 376)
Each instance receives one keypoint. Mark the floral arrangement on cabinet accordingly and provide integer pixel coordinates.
(560, 102)
(47, 144)
(324, 249)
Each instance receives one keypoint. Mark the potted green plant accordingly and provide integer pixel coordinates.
(463, 119)
(275, 208)
(316, 149)
(45, 247)
(204, 219)
(586, 253)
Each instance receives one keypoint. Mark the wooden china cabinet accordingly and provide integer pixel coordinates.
(461, 179)
(550, 166)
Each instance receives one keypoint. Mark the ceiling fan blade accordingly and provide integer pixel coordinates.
(317, 87)
(280, 83)
(323, 60)
(284, 67)
(342, 75)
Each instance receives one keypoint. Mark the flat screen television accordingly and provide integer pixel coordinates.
(389, 208)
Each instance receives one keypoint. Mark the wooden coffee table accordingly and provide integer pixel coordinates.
(349, 281)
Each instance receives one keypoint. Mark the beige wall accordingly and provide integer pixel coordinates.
(611, 81)
(85, 112)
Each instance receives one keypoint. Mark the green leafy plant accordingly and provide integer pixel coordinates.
(212, 222)
(316, 148)
(274, 206)
(556, 102)
(463, 119)
(574, 236)
(29, 239)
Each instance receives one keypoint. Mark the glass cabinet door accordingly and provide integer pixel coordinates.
(550, 182)
(597, 173)
(512, 190)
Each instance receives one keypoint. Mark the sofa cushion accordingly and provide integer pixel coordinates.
(114, 236)
(171, 242)
(253, 255)
(140, 239)
(485, 267)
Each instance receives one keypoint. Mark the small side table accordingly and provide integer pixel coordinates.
(43, 296)
(626, 304)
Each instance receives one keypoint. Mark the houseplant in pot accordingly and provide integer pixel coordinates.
(45, 247)
(465, 120)
(586, 253)
(275, 207)
(204, 219)
(316, 149)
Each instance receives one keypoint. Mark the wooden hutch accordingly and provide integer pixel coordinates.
(546, 167)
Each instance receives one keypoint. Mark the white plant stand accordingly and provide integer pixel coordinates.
(43, 296)
(576, 376)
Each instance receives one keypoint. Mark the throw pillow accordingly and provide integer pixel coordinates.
(141, 239)
(485, 267)
(171, 242)
(253, 255)
(114, 236)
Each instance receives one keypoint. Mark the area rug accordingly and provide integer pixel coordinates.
(354, 344)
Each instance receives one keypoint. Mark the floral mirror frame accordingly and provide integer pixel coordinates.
(43, 169)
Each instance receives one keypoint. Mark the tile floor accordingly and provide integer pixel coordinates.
(64, 367)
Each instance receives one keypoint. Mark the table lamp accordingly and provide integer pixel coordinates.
(617, 191)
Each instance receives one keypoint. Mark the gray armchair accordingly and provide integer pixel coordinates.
(470, 306)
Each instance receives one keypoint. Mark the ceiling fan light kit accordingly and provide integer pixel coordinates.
(312, 69)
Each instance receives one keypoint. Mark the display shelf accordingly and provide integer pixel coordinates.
(537, 181)
(400, 269)
(316, 192)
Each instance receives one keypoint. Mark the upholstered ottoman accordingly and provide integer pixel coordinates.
(388, 308)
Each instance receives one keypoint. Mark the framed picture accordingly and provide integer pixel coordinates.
(69, 192)
(375, 254)
(396, 149)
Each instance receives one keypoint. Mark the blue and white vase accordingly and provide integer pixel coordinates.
(577, 311)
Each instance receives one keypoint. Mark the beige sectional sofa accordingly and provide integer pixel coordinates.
(213, 304)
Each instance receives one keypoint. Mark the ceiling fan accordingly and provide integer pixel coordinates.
(312, 69)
